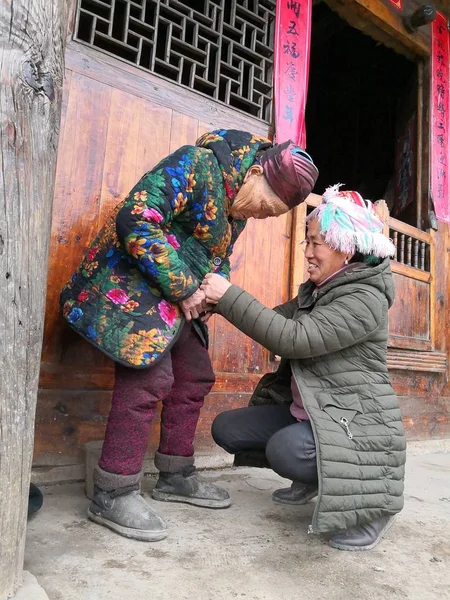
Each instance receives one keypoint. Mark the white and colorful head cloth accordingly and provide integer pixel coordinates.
(348, 223)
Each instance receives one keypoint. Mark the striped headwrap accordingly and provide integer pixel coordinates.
(290, 172)
(349, 223)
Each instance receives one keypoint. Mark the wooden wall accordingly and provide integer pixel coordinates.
(114, 130)
(422, 386)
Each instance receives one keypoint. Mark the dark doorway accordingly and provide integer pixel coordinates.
(361, 114)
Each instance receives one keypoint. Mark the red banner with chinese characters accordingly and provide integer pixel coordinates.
(291, 69)
(397, 3)
(440, 106)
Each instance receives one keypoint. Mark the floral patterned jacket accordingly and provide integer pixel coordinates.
(169, 232)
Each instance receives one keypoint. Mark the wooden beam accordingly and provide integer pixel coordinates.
(433, 289)
(410, 272)
(119, 74)
(382, 23)
(32, 57)
(414, 360)
(443, 6)
(297, 252)
(409, 343)
(410, 230)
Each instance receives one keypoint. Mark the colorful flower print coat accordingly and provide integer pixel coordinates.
(169, 232)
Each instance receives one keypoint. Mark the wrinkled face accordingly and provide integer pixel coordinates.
(256, 198)
(323, 261)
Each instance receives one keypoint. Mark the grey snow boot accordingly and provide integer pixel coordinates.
(118, 505)
(299, 493)
(362, 537)
(187, 486)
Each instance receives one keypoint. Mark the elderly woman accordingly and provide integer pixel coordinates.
(136, 297)
(328, 419)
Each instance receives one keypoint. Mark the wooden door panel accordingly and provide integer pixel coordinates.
(410, 313)
(258, 265)
(154, 140)
(120, 152)
(77, 192)
(266, 242)
(224, 359)
(184, 130)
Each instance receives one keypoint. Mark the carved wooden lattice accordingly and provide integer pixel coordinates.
(221, 48)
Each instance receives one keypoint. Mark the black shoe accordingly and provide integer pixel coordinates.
(35, 500)
(362, 537)
(187, 486)
(299, 493)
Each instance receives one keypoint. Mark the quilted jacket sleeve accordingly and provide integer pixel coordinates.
(162, 197)
(345, 321)
(287, 309)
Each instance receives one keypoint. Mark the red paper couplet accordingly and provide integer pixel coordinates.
(440, 106)
(291, 69)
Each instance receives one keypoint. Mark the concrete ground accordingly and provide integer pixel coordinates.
(255, 550)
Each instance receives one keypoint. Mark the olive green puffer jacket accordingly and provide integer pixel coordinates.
(335, 339)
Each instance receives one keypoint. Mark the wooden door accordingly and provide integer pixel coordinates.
(115, 127)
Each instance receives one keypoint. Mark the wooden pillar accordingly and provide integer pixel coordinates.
(32, 60)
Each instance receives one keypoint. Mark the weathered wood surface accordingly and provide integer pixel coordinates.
(31, 58)
(411, 272)
(91, 62)
(443, 6)
(410, 314)
(109, 138)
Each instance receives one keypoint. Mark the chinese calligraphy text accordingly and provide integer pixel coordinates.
(440, 118)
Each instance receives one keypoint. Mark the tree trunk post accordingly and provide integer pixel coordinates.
(32, 37)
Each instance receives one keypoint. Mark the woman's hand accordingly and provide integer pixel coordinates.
(214, 287)
(193, 306)
(209, 312)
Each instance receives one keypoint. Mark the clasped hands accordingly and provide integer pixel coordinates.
(202, 302)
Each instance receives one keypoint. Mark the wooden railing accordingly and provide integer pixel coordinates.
(413, 247)
(414, 255)
(411, 250)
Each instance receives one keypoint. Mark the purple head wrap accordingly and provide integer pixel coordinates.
(290, 172)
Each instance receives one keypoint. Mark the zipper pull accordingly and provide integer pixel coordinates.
(344, 422)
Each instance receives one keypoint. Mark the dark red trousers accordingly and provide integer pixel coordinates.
(180, 380)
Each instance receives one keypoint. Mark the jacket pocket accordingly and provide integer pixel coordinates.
(342, 408)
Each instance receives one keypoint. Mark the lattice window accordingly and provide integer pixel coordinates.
(221, 48)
